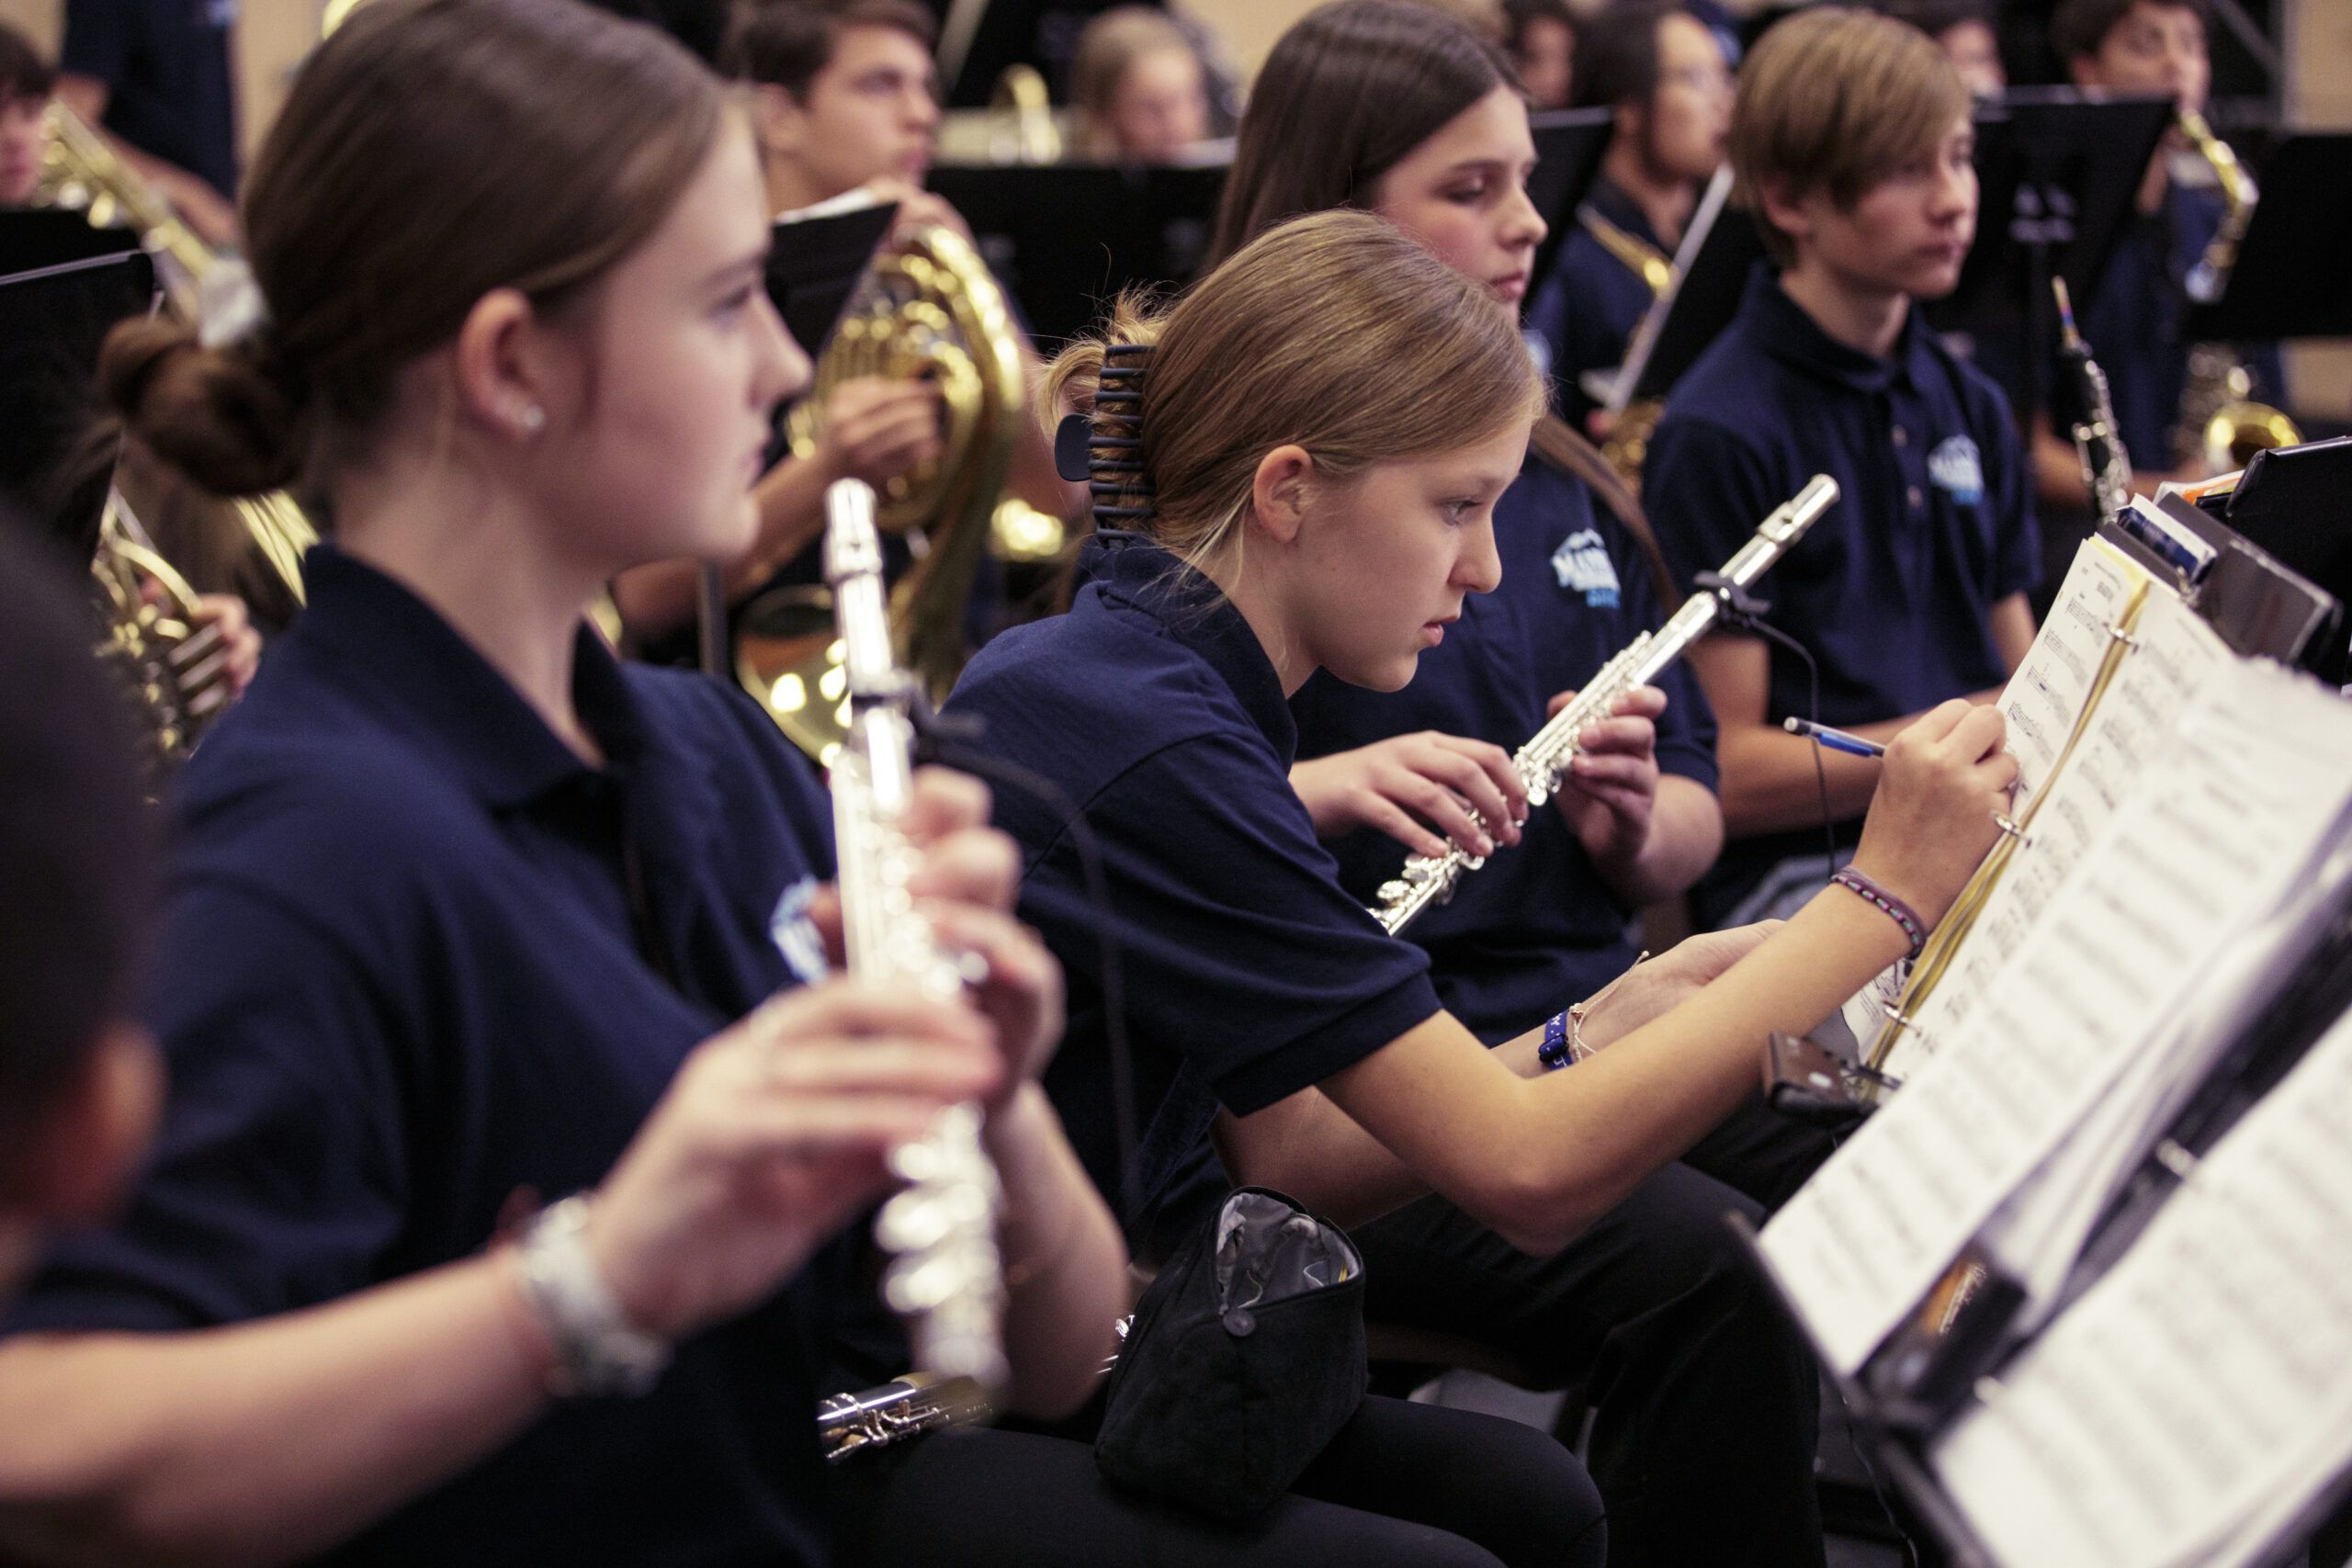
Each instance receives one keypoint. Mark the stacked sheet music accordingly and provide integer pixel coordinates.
(2182, 834)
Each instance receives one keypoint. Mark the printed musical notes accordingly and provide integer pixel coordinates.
(2215, 810)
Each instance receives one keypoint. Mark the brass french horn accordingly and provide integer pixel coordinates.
(174, 669)
(927, 308)
(82, 173)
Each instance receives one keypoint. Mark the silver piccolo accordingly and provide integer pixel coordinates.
(1429, 880)
(944, 1279)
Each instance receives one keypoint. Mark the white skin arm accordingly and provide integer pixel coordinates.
(1769, 781)
(1538, 1159)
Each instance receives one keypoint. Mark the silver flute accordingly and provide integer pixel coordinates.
(1429, 880)
(944, 1279)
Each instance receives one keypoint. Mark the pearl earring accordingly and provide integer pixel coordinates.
(532, 418)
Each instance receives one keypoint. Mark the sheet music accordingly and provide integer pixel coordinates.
(2042, 703)
(2040, 1233)
(2053, 684)
(2202, 1390)
(2219, 817)
(2176, 654)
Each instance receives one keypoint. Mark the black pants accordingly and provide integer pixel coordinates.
(1401, 1486)
(1705, 1397)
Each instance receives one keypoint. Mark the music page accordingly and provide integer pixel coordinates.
(2044, 704)
(2212, 826)
(2206, 1383)
(2046, 698)
(2176, 655)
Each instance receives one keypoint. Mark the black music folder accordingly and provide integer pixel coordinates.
(1066, 239)
(57, 443)
(2293, 278)
(1569, 145)
(814, 264)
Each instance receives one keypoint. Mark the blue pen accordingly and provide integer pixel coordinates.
(1836, 739)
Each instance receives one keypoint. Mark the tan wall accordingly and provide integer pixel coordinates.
(2319, 94)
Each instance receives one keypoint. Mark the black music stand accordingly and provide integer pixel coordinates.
(1064, 239)
(2057, 175)
(2291, 280)
(33, 238)
(978, 38)
(1569, 145)
(57, 447)
(1704, 302)
(2295, 503)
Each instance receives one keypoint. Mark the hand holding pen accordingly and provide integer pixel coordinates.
(1833, 739)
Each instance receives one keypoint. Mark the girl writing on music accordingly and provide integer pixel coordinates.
(1323, 429)
(469, 918)
(1549, 916)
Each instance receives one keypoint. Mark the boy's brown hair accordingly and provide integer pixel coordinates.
(2079, 27)
(1838, 100)
(785, 43)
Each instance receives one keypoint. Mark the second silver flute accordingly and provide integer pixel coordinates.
(945, 1279)
(1429, 880)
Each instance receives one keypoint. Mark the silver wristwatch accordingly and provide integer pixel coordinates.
(598, 1350)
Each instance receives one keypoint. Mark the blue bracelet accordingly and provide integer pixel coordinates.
(1554, 1053)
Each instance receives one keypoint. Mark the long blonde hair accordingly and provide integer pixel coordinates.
(1336, 332)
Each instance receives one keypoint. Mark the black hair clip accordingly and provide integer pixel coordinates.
(1113, 465)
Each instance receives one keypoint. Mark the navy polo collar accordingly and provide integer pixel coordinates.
(1621, 209)
(423, 674)
(1194, 611)
(1792, 337)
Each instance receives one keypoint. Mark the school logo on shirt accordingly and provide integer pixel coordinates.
(1583, 564)
(796, 934)
(1954, 467)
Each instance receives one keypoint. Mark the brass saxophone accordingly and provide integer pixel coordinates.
(944, 1279)
(1430, 880)
(2219, 422)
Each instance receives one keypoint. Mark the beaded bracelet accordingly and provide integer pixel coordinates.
(1895, 909)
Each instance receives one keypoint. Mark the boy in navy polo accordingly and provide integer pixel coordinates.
(1912, 589)
(2136, 320)
(78, 1081)
(1661, 74)
(844, 98)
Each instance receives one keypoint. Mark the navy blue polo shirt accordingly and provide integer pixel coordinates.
(1586, 310)
(166, 65)
(2136, 320)
(1891, 588)
(1536, 927)
(1249, 972)
(407, 992)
